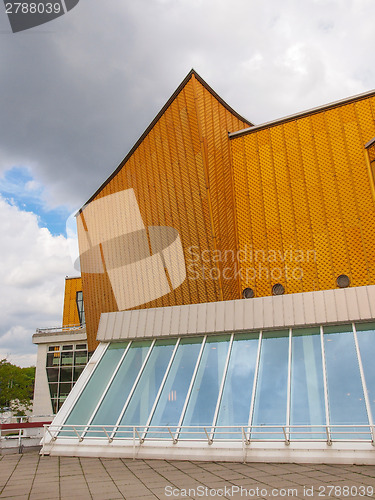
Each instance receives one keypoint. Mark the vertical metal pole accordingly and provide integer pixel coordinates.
(288, 398)
(106, 390)
(252, 404)
(132, 389)
(160, 389)
(364, 386)
(221, 387)
(328, 430)
(190, 389)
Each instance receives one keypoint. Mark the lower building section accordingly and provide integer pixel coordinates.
(297, 393)
(62, 355)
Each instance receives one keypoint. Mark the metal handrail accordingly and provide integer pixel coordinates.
(265, 433)
(55, 329)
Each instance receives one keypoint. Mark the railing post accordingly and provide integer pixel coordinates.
(141, 440)
(20, 440)
(245, 439)
(110, 439)
(133, 443)
(80, 438)
(208, 437)
(328, 432)
(287, 440)
(174, 440)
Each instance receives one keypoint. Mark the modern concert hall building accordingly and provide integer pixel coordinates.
(228, 278)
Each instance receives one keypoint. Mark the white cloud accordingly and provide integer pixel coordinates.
(33, 266)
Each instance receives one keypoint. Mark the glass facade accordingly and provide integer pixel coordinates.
(64, 365)
(287, 384)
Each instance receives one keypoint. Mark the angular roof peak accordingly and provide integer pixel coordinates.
(192, 73)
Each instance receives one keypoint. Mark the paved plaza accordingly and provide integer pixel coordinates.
(30, 476)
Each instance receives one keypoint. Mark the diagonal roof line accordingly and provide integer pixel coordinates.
(301, 114)
(191, 73)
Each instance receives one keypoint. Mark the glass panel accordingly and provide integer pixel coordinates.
(140, 405)
(64, 389)
(67, 358)
(238, 387)
(119, 390)
(67, 348)
(80, 358)
(172, 398)
(54, 348)
(80, 307)
(53, 374)
(345, 392)
(66, 374)
(77, 373)
(81, 346)
(366, 341)
(307, 386)
(271, 392)
(53, 359)
(203, 398)
(53, 390)
(95, 386)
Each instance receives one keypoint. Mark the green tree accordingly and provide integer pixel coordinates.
(16, 387)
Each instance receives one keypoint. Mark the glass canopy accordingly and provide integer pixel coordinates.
(290, 384)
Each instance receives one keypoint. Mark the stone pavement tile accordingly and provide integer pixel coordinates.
(134, 492)
(13, 483)
(48, 481)
(128, 484)
(68, 496)
(146, 497)
(43, 495)
(137, 464)
(160, 492)
(149, 476)
(230, 475)
(92, 478)
(211, 466)
(106, 495)
(183, 485)
(108, 484)
(15, 497)
(14, 491)
(45, 490)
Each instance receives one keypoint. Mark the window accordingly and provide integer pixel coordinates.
(302, 377)
(64, 364)
(81, 310)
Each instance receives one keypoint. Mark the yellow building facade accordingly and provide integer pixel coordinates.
(304, 199)
(207, 207)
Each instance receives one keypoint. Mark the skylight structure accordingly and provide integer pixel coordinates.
(232, 393)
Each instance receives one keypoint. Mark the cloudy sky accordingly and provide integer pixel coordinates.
(76, 94)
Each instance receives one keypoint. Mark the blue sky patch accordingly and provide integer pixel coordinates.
(19, 188)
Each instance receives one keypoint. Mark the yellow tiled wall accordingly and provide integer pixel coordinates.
(304, 200)
(181, 176)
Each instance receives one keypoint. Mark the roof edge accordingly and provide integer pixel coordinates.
(184, 82)
(301, 114)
